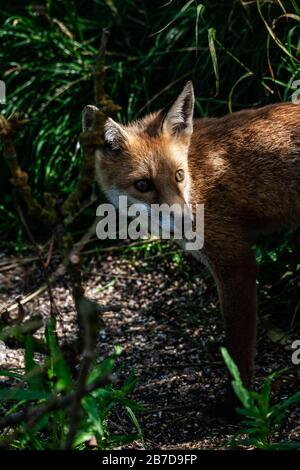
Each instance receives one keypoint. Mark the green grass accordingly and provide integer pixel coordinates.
(224, 47)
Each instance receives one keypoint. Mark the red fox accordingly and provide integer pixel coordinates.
(244, 168)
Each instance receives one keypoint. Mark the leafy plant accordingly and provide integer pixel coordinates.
(42, 382)
(261, 417)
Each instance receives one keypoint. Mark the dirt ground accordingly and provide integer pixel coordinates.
(170, 331)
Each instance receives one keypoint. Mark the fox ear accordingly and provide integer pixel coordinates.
(114, 134)
(88, 116)
(179, 119)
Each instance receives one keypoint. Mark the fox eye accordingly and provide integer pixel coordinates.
(179, 175)
(143, 185)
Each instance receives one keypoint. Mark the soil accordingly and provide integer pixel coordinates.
(170, 330)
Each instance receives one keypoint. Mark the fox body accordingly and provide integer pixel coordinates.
(244, 168)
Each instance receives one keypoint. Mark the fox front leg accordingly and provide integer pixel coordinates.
(236, 285)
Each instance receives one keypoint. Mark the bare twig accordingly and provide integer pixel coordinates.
(24, 301)
(50, 252)
(53, 308)
(88, 313)
(99, 70)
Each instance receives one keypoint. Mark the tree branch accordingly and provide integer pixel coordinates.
(19, 178)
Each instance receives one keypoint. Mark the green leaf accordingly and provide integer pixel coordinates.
(280, 407)
(199, 12)
(34, 376)
(130, 383)
(106, 367)
(241, 392)
(23, 394)
(94, 415)
(181, 11)
(264, 396)
(131, 403)
(213, 54)
(58, 368)
(136, 423)
(12, 375)
(101, 370)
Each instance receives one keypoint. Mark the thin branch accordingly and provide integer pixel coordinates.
(99, 70)
(24, 301)
(88, 313)
(53, 307)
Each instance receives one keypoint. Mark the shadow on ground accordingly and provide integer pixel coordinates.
(170, 330)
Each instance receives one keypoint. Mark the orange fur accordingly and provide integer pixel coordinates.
(244, 168)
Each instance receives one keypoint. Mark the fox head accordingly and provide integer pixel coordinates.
(147, 160)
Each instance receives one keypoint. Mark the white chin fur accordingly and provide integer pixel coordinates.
(113, 195)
